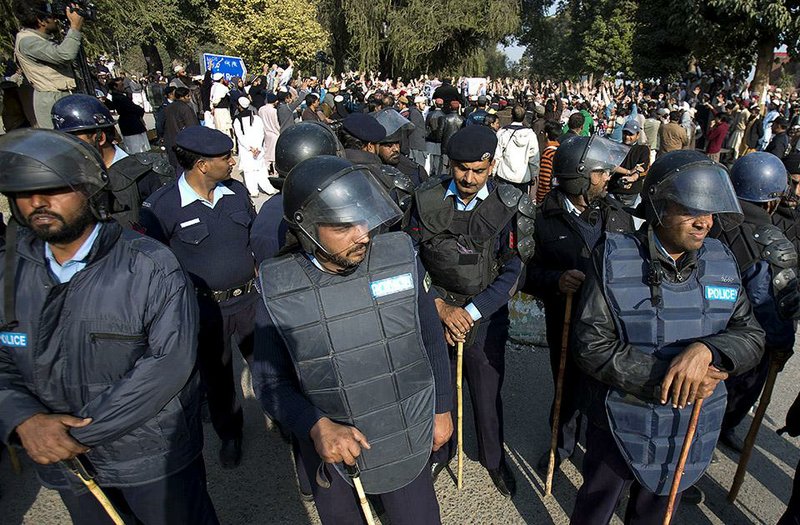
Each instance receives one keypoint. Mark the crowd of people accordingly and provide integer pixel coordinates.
(657, 221)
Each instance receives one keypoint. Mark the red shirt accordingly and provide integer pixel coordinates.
(716, 136)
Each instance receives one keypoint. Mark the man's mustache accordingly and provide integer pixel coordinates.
(44, 213)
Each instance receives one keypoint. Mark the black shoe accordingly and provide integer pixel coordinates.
(714, 458)
(544, 463)
(692, 496)
(230, 453)
(732, 441)
(504, 480)
(205, 414)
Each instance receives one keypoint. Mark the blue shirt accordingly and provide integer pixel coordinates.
(452, 190)
(119, 154)
(188, 195)
(64, 272)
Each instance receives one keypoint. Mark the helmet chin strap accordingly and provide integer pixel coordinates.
(655, 272)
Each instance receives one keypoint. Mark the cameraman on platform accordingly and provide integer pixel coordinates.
(47, 65)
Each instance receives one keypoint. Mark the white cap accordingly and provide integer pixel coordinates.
(244, 102)
(338, 98)
(419, 100)
(217, 76)
(178, 68)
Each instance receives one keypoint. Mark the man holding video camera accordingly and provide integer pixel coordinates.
(47, 65)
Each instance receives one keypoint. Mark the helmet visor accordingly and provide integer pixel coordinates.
(347, 210)
(603, 154)
(33, 160)
(701, 190)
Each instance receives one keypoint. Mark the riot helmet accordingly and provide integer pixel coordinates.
(302, 141)
(43, 159)
(759, 177)
(328, 190)
(80, 112)
(577, 157)
(695, 182)
(394, 123)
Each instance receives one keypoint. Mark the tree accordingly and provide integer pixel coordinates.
(736, 33)
(582, 37)
(415, 36)
(262, 31)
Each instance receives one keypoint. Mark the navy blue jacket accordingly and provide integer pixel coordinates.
(117, 344)
(212, 244)
(268, 233)
(757, 277)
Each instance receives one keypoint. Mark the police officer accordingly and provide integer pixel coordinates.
(473, 236)
(571, 221)
(661, 321)
(205, 217)
(299, 142)
(132, 178)
(361, 137)
(479, 114)
(97, 343)
(351, 356)
(787, 216)
(767, 262)
(395, 127)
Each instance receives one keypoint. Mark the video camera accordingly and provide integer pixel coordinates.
(85, 8)
(323, 58)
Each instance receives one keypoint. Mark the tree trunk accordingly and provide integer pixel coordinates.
(151, 57)
(766, 52)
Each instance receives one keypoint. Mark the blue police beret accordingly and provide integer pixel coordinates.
(204, 141)
(472, 143)
(364, 128)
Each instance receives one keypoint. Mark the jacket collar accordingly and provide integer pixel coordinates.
(32, 248)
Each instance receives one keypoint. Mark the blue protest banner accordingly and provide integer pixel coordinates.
(228, 66)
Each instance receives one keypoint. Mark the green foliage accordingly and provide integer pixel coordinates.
(583, 37)
(262, 31)
(414, 36)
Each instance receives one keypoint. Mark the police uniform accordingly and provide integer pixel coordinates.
(366, 129)
(474, 255)
(132, 179)
(396, 127)
(637, 310)
(767, 262)
(362, 348)
(109, 335)
(211, 240)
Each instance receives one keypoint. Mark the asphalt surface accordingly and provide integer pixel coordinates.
(263, 490)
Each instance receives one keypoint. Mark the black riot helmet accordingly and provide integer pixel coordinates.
(692, 180)
(80, 112)
(43, 159)
(577, 157)
(302, 141)
(328, 190)
(760, 177)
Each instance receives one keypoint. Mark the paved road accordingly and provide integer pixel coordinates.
(262, 491)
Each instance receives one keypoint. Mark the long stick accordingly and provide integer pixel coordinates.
(750, 440)
(459, 369)
(687, 445)
(355, 475)
(551, 466)
(76, 467)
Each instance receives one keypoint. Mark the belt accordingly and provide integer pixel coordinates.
(223, 295)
